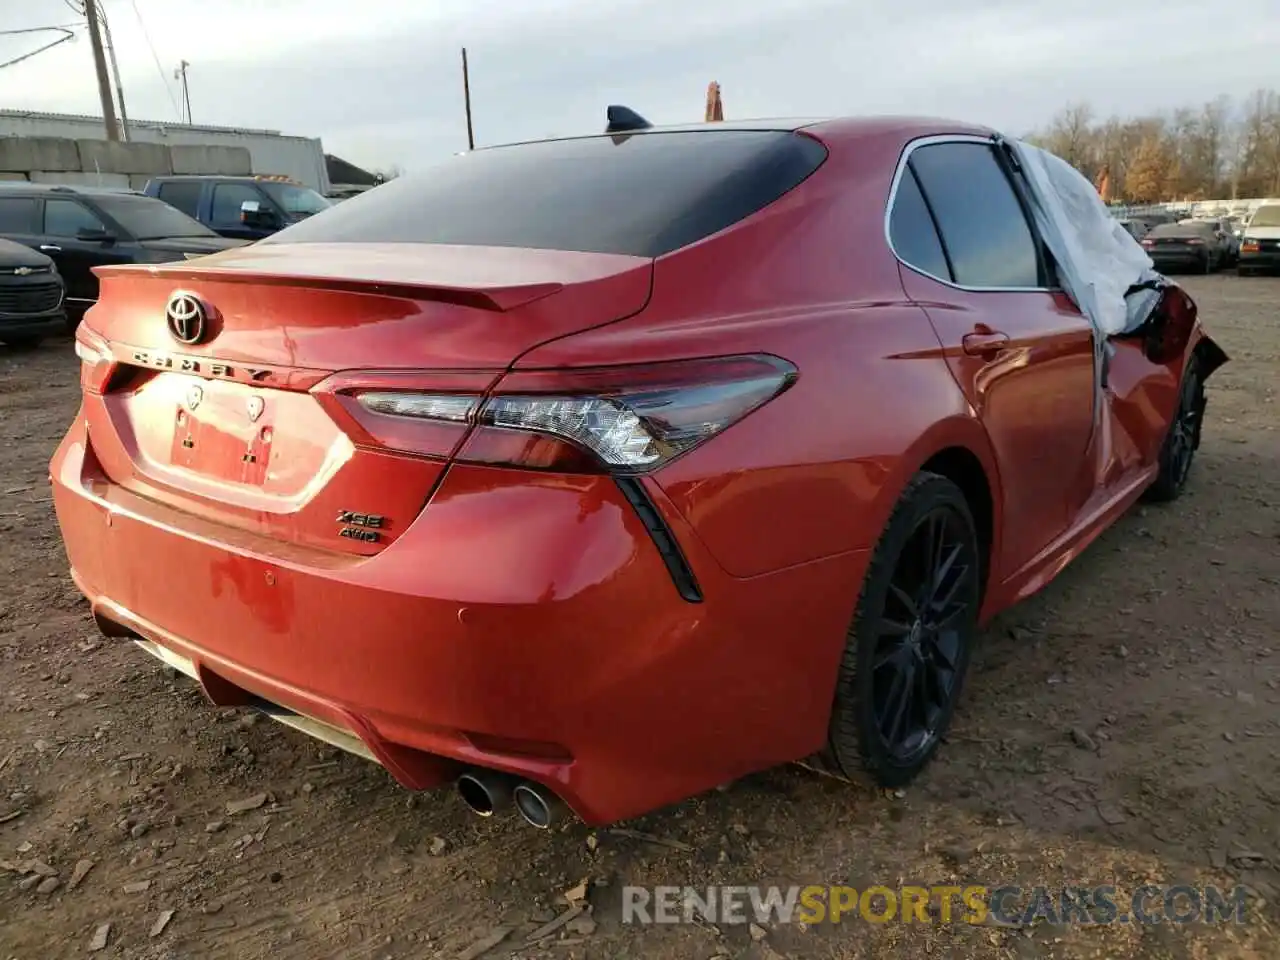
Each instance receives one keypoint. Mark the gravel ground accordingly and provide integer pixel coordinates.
(1120, 728)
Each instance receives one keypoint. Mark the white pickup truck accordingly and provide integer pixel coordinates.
(1260, 244)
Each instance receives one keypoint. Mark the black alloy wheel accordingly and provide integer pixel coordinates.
(1183, 438)
(908, 649)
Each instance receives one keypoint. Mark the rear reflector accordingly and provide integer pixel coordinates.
(624, 419)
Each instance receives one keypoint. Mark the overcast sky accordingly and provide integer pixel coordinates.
(380, 80)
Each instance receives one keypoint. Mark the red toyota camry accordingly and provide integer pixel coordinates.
(601, 471)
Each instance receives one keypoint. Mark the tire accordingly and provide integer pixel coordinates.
(1183, 439)
(882, 638)
(1244, 271)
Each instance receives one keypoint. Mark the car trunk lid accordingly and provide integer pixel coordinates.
(1187, 244)
(233, 427)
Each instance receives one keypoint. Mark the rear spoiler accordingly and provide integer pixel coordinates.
(497, 298)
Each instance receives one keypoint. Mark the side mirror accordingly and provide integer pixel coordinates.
(95, 235)
(252, 214)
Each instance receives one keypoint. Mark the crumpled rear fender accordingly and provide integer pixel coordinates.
(1205, 349)
(1175, 333)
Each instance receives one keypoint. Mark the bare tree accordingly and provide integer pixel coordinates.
(1071, 136)
(1217, 149)
(1260, 145)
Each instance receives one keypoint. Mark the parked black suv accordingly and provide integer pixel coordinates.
(248, 208)
(83, 227)
(30, 296)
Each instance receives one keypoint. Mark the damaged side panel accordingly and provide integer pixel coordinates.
(1144, 378)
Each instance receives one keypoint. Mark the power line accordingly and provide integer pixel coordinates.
(155, 57)
(67, 35)
(64, 27)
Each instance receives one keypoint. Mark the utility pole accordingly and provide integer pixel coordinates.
(100, 65)
(115, 72)
(466, 96)
(181, 75)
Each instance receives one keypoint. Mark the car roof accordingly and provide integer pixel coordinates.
(247, 177)
(827, 129)
(40, 189)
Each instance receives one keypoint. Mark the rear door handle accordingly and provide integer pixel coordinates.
(50, 248)
(986, 344)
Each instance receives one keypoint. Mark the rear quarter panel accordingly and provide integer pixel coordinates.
(815, 472)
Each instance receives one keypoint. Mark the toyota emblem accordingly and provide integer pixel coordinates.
(186, 317)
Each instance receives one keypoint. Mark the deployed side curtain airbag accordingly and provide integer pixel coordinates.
(1098, 261)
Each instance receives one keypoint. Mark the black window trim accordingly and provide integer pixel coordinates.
(902, 167)
(1021, 183)
(933, 219)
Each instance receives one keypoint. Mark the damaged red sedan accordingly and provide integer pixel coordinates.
(597, 472)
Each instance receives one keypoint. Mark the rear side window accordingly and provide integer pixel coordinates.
(911, 230)
(17, 215)
(984, 230)
(183, 194)
(643, 195)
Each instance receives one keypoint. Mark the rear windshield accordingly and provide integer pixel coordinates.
(1198, 229)
(146, 218)
(1268, 216)
(642, 195)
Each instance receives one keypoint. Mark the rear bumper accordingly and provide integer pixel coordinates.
(523, 622)
(1180, 261)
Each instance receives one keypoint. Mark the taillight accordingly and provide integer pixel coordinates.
(97, 365)
(624, 419)
(1250, 246)
(1193, 242)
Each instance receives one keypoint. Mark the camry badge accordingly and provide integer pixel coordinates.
(186, 317)
(256, 406)
(194, 396)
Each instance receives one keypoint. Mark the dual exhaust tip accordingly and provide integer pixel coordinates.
(488, 792)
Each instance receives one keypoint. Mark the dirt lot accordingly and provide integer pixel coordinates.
(1121, 728)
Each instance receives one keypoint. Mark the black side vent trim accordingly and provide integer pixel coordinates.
(662, 538)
